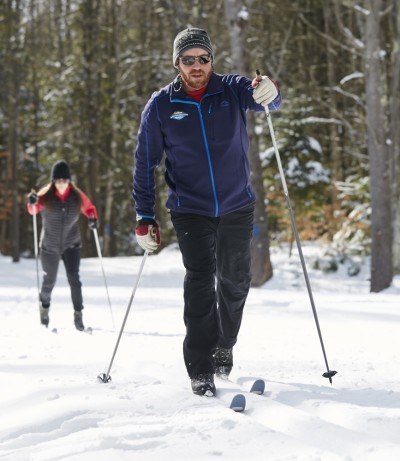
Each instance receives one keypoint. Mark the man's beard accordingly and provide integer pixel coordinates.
(195, 79)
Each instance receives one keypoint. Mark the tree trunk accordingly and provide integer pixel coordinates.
(381, 254)
(335, 153)
(394, 111)
(14, 70)
(14, 186)
(92, 75)
(115, 92)
(261, 267)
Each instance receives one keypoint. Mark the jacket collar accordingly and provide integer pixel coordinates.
(66, 193)
(214, 86)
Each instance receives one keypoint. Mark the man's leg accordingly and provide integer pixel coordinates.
(233, 272)
(197, 239)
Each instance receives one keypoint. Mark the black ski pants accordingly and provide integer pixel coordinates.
(50, 262)
(216, 255)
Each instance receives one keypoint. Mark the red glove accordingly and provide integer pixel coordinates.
(148, 234)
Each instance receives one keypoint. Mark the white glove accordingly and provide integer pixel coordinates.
(148, 234)
(265, 92)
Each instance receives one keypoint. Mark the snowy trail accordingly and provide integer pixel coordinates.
(316, 431)
(319, 429)
(54, 409)
(152, 420)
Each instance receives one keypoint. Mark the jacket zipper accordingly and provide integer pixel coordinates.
(216, 204)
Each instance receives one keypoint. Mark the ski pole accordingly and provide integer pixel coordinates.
(35, 246)
(96, 237)
(105, 377)
(328, 374)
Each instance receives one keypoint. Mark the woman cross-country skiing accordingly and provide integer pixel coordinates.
(60, 203)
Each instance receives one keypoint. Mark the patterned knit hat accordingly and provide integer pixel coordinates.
(191, 38)
(60, 170)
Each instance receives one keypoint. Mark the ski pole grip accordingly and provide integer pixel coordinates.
(259, 78)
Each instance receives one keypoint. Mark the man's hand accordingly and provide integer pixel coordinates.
(148, 234)
(265, 92)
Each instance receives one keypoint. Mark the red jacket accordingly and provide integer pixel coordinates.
(60, 217)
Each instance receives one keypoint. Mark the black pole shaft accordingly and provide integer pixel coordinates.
(96, 238)
(307, 280)
(126, 315)
(36, 250)
(329, 373)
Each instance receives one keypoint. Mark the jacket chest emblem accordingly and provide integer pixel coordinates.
(179, 115)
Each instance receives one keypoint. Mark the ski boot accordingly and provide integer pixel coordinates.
(44, 314)
(223, 362)
(78, 320)
(203, 384)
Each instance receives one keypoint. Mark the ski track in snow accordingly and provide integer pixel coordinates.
(54, 408)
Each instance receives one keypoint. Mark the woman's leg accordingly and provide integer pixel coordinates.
(72, 259)
(50, 262)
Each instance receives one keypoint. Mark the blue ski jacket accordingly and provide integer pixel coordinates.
(206, 163)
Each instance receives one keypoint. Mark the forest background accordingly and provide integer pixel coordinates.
(75, 76)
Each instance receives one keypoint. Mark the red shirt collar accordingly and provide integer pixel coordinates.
(66, 193)
(197, 94)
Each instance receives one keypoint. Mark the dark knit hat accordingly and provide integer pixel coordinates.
(191, 38)
(60, 170)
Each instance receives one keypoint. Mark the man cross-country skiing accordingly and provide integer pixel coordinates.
(199, 122)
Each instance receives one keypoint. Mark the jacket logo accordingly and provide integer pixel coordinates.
(224, 103)
(179, 115)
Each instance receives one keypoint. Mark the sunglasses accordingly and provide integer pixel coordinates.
(61, 181)
(190, 60)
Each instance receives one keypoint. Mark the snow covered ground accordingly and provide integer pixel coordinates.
(53, 408)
